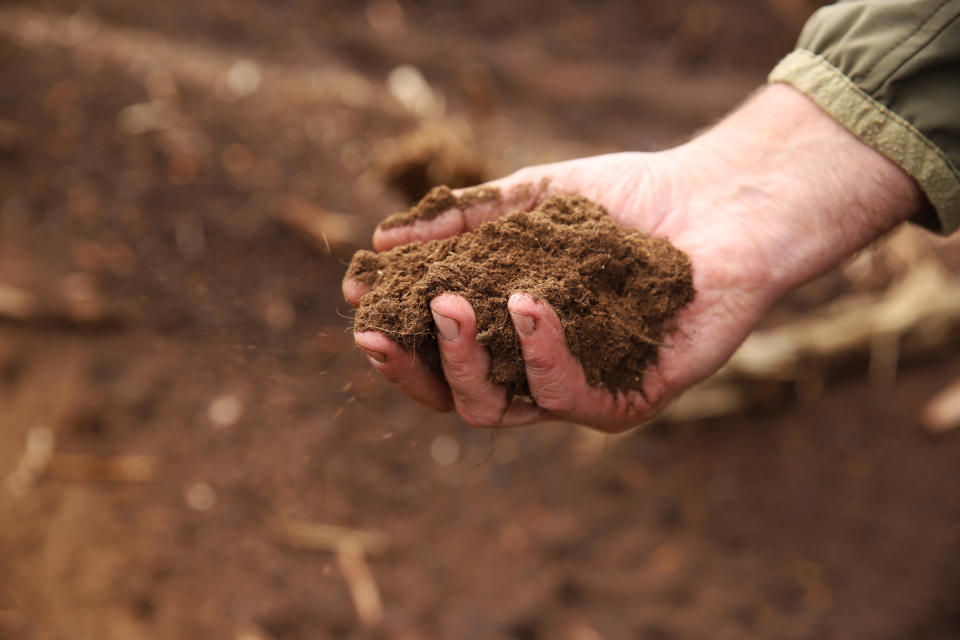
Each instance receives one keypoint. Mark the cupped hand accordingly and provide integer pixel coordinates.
(749, 233)
(639, 191)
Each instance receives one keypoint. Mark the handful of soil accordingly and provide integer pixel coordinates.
(614, 290)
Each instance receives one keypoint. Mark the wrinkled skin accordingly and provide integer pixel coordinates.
(771, 197)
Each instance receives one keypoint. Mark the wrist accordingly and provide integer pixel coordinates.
(806, 192)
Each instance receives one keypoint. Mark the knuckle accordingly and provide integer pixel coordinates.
(476, 419)
(554, 402)
(478, 410)
(524, 174)
(458, 368)
(539, 364)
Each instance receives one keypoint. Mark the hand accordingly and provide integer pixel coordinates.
(769, 198)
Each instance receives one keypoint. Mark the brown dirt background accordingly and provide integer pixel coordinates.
(832, 517)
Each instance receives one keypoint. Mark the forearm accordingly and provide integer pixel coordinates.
(809, 192)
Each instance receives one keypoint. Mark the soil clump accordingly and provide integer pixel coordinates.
(614, 290)
(439, 200)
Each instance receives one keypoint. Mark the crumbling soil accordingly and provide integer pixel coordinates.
(439, 200)
(615, 290)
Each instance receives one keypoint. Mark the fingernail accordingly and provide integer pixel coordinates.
(524, 323)
(375, 356)
(448, 328)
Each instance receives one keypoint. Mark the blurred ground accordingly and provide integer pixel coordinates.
(180, 186)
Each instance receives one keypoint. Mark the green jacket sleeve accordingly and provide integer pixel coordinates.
(889, 71)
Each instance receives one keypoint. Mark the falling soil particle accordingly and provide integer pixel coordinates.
(614, 290)
(438, 200)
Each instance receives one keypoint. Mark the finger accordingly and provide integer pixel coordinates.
(449, 223)
(466, 365)
(521, 190)
(405, 370)
(353, 290)
(557, 381)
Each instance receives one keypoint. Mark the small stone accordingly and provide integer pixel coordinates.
(942, 413)
(225, 410)
(445, 450)
(200, 496)
(412, 90)
(242, 79)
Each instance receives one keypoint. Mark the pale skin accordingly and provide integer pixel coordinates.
(772, 196)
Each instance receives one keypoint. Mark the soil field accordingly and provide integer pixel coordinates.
(181, 188)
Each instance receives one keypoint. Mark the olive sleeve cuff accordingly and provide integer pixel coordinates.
(879, 127)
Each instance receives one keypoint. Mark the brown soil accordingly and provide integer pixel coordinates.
(614, 290)
(437, 201)
(824, 517)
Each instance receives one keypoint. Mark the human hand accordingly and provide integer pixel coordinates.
(769, 198)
